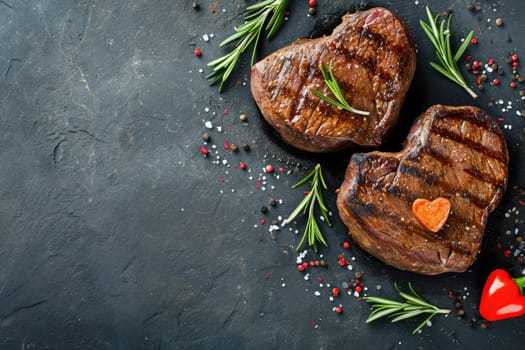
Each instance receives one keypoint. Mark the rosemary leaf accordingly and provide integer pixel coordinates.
(312, 233)
(264, 16)
(412, 306)
(330, 81)
(440, 39)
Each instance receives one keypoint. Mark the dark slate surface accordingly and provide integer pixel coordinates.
(117, 234)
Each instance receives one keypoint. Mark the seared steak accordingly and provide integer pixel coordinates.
(458, 153)
(374, 60)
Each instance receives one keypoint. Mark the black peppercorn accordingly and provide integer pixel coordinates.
(264, 209)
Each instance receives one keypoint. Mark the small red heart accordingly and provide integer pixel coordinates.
(432, 215)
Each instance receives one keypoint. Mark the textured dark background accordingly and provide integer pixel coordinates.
(116, 233)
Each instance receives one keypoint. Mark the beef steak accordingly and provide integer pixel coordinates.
(374, 60)
(458, 153)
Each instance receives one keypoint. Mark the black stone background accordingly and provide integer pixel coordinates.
(116, 233)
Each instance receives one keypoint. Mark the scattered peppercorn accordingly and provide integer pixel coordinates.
(474, 41)
(243, 117)
(246, 147)
(499, 22)
(323, 262)
(339, 310)
(234, 147)
(197, 52)
(206, 137)
(204, 151)
(470, 6)
(484, 324)
(195, 5)
(264, 209)
(495, 81)
(272, 202)
(312, 2)
(346, 245)
(311, 11)
(461, 312)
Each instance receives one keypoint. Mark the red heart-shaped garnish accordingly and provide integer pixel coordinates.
(432, 215)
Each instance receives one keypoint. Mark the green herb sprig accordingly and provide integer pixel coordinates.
(256, 21)
(330, 81)
(312, 232)
(414, 305)
(440, 38)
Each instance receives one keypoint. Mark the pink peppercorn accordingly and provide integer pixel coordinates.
(204, 151)
(269, 169)
(339, 310)
(312, 2)
(513, 85)
(346, 245)
(495, 81)
(474, 41)
(300, 268)
(335, 291)
(242, 165)
(514, 57)
(197, 52)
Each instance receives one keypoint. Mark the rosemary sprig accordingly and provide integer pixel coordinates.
(247, 33)
(414, 305)
(330, 81)
(440, 38)
(312, 232)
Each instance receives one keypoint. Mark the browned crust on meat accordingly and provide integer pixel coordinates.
(454, 152)
(374, 61)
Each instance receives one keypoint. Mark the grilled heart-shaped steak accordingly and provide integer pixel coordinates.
(458, 153)
(374, 60)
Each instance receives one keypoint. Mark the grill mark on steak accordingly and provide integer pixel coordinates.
(362, 209)
(474, 145)
(428, 178)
